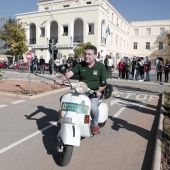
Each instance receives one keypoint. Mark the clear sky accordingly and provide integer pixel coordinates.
(131, 10)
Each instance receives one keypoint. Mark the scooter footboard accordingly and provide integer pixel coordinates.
(70, 134)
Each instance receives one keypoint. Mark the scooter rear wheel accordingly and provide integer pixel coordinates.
(65, 156)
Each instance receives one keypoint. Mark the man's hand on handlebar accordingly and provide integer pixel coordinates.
(98, 93)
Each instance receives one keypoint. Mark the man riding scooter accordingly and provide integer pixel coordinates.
(92, 73)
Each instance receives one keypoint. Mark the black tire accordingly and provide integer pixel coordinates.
(65, 156)
(102, 124)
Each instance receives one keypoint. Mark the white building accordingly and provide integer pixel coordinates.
(69, 22)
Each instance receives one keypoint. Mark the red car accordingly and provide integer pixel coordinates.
(3, 64)
(14, 66)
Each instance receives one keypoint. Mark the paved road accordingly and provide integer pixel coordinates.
(126, 142)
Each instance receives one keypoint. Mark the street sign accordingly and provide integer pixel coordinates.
(28, 56)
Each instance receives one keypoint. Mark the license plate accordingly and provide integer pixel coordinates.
(74, 107)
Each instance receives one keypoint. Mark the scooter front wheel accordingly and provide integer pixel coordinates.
(65, 156)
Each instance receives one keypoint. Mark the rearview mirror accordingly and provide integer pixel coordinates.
(62, 69)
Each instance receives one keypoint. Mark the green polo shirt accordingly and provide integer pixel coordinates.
(70, 60)
(91, 76)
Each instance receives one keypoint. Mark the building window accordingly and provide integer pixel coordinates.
(65, 6)
(147, 45)
(136, 31)
(160, 45)
(135, 45)
(91, 28)
(162, 30)
(88, 2)
(112, 17)
(65, 30)
(46, 8)
(116, 39)
(42, 32)
(117, 22)
(148, 30)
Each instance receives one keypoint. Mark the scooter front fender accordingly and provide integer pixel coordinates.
(70, 134)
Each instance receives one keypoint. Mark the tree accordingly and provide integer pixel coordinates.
(13, 33)
(79, 50)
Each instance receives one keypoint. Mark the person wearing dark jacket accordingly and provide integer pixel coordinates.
(166, 70)
(42, 62)
(159, 69)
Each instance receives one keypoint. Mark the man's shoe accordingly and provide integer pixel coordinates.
(95, 130)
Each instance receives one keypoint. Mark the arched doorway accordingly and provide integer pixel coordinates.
(78, 31)
(54, 31)
(32, 34)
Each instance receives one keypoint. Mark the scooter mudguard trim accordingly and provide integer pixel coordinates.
(70, 134)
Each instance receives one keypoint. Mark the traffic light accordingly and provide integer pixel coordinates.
(50, 46)
(54, 41)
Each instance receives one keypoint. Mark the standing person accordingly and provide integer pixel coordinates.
(166, 70)
(159, 69)
(92, 73)
(21, 64)
(57, 64)
(70, 62)
(109, 67)
(42, 62)
(31, 65)
(120, 67)
(106, 61)
(137, 72)
(50, 65)
(141, 69)
(133, 67)
(64, 60)
(147, 68)
(127, 65)
(35, 65)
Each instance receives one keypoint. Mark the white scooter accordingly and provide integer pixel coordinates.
(75, 119)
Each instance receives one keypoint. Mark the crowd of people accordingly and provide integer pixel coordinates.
(137, 69)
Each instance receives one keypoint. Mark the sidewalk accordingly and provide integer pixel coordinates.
(153, 77)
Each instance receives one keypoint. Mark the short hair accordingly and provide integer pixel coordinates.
(91, 47)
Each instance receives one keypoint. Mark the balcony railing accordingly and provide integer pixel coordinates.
(32, 40)
(103, 40)
(78, 39)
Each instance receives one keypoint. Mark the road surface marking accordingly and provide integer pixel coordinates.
(1, 106)
(18, 101)
(26, 138)
(119, 112)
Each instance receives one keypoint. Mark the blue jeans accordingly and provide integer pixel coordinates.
(127, 74)
(42, 68)
(94, 109)
(147, 76)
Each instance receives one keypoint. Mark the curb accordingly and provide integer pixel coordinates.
(34, 96)
(156, 163)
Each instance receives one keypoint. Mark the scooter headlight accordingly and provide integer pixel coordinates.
(81, 87)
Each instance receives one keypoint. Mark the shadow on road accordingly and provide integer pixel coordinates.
(148, 135)
(49, 135)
